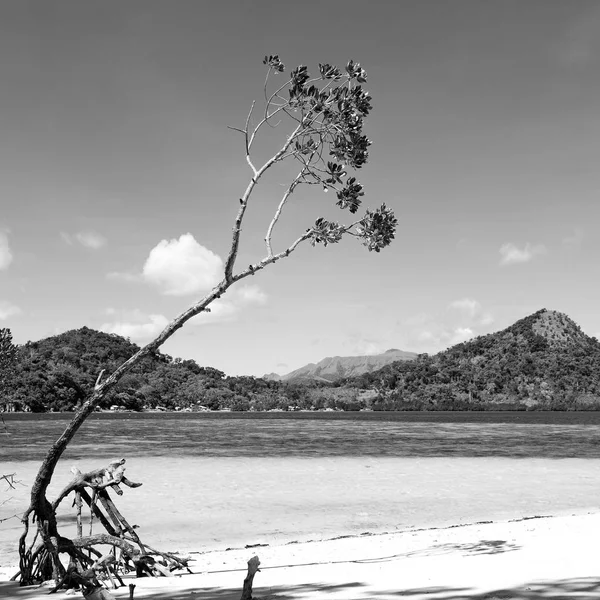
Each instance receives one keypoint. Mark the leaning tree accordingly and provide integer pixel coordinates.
(324, 116)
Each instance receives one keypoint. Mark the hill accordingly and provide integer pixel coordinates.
(342, 367)
(543, 362)
(59, 372)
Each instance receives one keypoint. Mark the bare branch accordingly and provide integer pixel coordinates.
(237, 228)
(286, 195)
(248, 123)
(262, 122)
(10, 479)
(252, 269)
(99, 379)
(235, 129)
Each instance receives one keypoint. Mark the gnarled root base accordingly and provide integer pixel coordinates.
(86, 570)
(85, 562)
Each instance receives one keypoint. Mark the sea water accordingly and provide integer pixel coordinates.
(228, 480)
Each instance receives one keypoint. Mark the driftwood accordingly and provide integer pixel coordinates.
(87, 565)
(253, 565)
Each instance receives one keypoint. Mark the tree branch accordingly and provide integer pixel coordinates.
(271, 259)
(272, 224)
(237, 228)
(44, 476)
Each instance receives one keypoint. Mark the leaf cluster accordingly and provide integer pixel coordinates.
(329, 113)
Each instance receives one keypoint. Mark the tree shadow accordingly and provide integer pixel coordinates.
(288, 592)
(569, 589)
(583, 588)
(11, 589)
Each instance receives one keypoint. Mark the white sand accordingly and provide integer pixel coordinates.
(207, 505)
(547, 558)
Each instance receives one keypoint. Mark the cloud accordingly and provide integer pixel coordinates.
(361, 346)
(6, 256)
(135, 324)
(8, 310)
(227, 308)
(88, 239)
(177, 267)
(91, 239)
(511, 254)
(472, 311)
(251, 294)
(181, 267)
(573, 241)
(138, 325)
(442, 337)
(463, 319)
(467, 305)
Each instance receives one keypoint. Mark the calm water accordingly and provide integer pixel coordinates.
(449, 434)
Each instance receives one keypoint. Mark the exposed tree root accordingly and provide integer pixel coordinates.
(87, 565)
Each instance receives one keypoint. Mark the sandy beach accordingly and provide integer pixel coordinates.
(354, 528)
(532, 559)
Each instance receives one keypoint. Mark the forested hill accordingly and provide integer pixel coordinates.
(543, 361)
(59, 372)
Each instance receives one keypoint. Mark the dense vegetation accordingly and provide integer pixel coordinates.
(59, 372)
(541, 362)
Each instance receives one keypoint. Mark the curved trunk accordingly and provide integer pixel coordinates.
(43, 511)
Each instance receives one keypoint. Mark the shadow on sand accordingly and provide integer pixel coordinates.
(570, 589)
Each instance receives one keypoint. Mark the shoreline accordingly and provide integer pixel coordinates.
(544, 556)
(201, 504)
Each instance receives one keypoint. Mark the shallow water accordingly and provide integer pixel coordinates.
(472, 434)
(206, 503)
(228, 480)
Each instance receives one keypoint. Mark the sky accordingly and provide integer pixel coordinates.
(120, 180)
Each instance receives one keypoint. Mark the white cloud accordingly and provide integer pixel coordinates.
(463, 319)
(91, 239)
(370, 349)
(466, 305)
(228, 307)
(135, 324)
(138, 325)
(88, 239)
(357, 344)
(8, 310)
(251, 294)
(6, 256)
(511, 254)
(443, 337)
(472, 311)
(461, 334)
(181, 267)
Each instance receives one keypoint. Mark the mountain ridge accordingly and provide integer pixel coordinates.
(333, 368)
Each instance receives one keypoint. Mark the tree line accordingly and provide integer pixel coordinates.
(58, 373)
